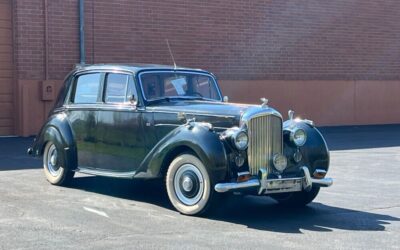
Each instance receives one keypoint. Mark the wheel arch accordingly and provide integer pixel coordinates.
(315, 151)
(196, 139)
(58, 131)
(172, 154)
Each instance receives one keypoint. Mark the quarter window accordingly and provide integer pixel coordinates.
(87, 88)
(116, 88)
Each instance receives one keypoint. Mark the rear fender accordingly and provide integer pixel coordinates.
(58, 131)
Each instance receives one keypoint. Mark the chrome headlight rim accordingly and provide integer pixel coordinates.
(235, 139)
(294, 135)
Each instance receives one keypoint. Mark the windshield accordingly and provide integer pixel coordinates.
(160, 85)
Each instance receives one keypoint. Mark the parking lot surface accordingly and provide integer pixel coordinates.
(361, 210)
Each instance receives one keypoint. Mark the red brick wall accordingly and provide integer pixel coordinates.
(63, 43)
(242, 40)
(29, 34)
(255, 39)
(296, 39)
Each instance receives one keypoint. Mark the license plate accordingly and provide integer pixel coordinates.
(284, 185)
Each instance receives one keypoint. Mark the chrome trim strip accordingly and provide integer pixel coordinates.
(127, 175)
(199, 114)
(221, 128)
(101, 106)
(254, 112)
(167, 124)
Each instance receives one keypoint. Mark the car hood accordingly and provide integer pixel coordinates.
(219, 114)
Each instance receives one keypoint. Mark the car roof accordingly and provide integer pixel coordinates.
(134, 67)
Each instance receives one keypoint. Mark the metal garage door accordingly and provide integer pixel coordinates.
(6, 69)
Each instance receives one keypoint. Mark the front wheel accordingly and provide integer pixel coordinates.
(54, 168)
(297, 199)
(189, 185)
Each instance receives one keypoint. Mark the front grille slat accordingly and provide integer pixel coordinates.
(265, 140)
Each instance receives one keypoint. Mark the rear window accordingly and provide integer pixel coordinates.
(87, 88)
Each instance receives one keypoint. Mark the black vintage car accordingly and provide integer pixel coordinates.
(154, 121)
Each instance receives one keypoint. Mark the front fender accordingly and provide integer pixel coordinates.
(203, 141)
(315, 152)
(57, 129)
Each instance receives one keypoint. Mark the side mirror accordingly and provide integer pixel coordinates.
(132, 100)
(226, 99)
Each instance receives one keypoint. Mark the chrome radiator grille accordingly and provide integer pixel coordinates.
(265, 140)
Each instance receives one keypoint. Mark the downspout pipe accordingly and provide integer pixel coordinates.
(82, 32)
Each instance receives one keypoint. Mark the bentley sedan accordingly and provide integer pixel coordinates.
(154, 121)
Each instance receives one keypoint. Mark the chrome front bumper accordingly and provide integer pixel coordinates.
(269, 186)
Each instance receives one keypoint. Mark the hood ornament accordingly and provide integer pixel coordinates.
(290, 114)
(264, 103)
(292, 123)
(181, 116)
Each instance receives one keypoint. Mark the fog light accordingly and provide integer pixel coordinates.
(297, 156)
(239, 160)
(280, 162)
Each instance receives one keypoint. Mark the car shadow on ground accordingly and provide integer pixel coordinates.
(260, 213)
(13, 154)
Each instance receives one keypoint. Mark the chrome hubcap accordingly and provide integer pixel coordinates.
(51, 161)
(189, 184)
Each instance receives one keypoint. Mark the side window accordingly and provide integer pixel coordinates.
(116, 88)
(87, 88)
(131, 90)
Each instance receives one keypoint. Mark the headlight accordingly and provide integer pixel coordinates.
(280, 162)
(241, 140)
(298, 136)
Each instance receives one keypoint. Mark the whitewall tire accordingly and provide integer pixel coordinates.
(54, 168)
(189, 185)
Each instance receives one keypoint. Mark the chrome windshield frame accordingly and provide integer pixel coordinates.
(179, 72)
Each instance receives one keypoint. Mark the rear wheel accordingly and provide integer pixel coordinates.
(189, 185)
(54, 168)
(297, 199)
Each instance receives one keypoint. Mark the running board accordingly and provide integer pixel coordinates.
(125, 175)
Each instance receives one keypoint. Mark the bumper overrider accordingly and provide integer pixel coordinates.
(281, 185)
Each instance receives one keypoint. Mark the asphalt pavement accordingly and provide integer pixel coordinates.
(360, 211)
